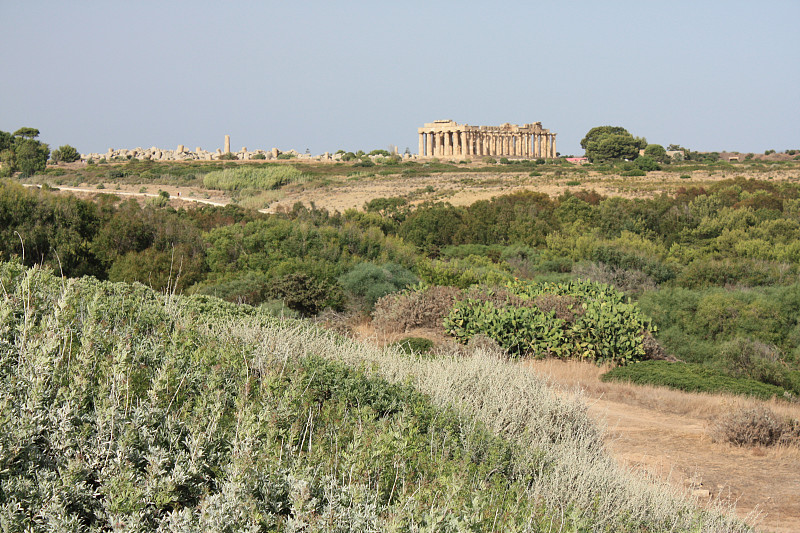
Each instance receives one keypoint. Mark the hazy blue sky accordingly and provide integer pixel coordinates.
(362, 75)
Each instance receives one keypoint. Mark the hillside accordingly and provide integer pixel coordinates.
(127, 409)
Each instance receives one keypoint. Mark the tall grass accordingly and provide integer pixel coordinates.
(264, 177)
(553, 433)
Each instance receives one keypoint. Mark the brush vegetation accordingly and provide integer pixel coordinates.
(713, 268)
(130, 410)
(263, 177)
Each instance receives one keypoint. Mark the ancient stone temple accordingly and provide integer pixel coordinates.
(446, 138)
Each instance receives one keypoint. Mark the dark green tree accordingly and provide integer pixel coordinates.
(6, 141)
(27, 133)
(604, 143)
(656, 151)
(31, 155)
(647, 163)
(65, 154)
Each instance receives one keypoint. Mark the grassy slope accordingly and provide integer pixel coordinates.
(127, 409)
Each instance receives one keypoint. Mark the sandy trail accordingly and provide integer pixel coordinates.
(666, 434)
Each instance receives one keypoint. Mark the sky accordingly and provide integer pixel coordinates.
(325, 75)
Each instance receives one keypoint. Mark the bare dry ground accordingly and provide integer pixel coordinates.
(666, 433)
(351, 190)
(466, 188)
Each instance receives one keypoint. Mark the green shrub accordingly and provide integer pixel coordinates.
(634, 173)
(251, 177)
(65, 154)
(756, 360)
(578, 319)
(463, 273)
(369, 282)
(412, 345)
(305, 293)
(647, 163)
(691, 377)
(242, 288)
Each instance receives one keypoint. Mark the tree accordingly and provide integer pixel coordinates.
(603, 143)
(656, 151)
(6, 140)
(21, 151)
(30, 156)
(27, 133)
(647, 163)
(66, 154)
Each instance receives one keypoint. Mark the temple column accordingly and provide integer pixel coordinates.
(555, 153)
(463, 143)
(505, 145)
(547, 146)
(429, 142)
(421, 151)
(440, 142)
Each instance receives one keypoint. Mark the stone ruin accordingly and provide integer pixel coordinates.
(182, 154)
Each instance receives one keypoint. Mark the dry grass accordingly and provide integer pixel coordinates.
(553, 431)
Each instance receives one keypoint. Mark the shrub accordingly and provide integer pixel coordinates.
(463, 273)
(305, 293)
(691, 377)
(369, 282)
(631, 281)
(259, 156)
(634, 172)
(243, 288)
(192, 414)
(756, 426)
(411, 345)
(743, 357)
(596, 325)
(65, 154)
(414, 308)
(268, 176)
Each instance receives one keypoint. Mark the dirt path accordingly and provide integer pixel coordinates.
(677, 449)
(666, 433)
